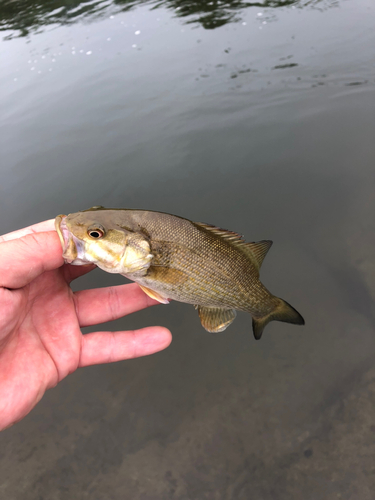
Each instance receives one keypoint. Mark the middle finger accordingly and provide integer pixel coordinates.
(107, 304)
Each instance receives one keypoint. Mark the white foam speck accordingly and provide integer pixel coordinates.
(108, 39)
(73, 52)
(43, 57)
(111, 17)
(88, 53)
(15, 79)
(244, 24)
(53, 60)
(32, 69)
(81, 51)
(137, 32)
(264, 22)
(29, 61)
(134, 45)
(260, 14)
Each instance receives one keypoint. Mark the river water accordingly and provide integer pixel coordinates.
(258, 117)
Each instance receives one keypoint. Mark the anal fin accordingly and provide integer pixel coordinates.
(216, 319)
(154, 295)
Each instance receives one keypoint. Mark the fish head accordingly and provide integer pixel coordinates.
(93, 237)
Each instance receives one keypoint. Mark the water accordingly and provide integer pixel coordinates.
(259, 118)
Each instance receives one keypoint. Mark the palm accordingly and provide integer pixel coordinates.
(41, 340)
(44, 344)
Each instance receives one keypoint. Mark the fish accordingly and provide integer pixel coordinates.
(173, 258)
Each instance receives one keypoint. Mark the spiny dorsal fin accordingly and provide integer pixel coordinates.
(93, 209)
(258, 250)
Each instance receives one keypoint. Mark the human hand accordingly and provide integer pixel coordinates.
(40, 320)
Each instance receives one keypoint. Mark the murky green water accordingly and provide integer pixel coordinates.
(258, 117)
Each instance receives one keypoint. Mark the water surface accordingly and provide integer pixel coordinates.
(255, 116)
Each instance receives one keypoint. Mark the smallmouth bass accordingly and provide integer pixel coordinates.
(172, 258)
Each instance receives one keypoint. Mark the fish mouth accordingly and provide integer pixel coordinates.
(71, 246)
(62, 231)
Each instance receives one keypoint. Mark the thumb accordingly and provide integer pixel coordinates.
(25, 258)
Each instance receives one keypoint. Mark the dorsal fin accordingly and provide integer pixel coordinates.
(257, 250)
(223, 233)
(92, 209)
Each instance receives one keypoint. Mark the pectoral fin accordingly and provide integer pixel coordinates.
(216, 319)
(154, 295)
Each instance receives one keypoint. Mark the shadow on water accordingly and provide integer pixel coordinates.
(27, 16)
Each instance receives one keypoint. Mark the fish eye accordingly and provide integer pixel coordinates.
(95, 233)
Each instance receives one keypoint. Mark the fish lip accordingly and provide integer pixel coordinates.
(66, 239)
(62, 231)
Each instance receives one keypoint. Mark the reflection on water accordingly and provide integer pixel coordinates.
(24, 17)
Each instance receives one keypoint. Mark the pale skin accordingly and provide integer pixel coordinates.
(41, 319)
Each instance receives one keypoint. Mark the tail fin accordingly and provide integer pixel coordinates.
(282, 312)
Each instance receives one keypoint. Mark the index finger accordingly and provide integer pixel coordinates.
(47, 225)
(22, 259)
